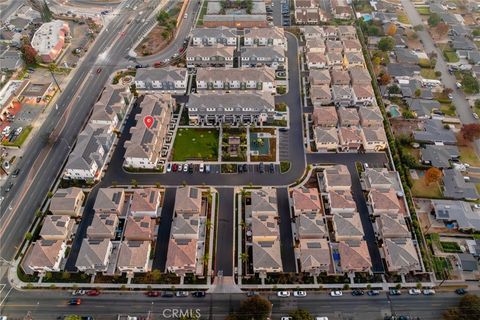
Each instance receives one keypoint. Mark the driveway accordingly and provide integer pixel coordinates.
(286, 236)
(463, 108)
(225, 231)
(163, 236)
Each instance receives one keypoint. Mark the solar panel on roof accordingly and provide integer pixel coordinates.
(313, 245)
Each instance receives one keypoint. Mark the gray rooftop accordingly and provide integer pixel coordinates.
(439, 156)
(457, 211)
(434, 131)
(455, 187)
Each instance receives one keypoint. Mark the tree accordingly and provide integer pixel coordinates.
(254, 308)
(471, 131)
(432, 175)
(301, 314)
(244, 257)
(385, 79)
(28, 236)
(442, 29)
(395, 89)
(468, 309)
(72, 317)
(470, 83)
(162, 17)
(434, 20)
(29, 54)
(477, 103)
(391, 30)
(155, 275)
(418, 92)
(386, 44)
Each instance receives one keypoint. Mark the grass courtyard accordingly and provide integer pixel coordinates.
(195, 144)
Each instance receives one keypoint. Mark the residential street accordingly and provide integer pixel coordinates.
(224, 255)
(286, 236)
(47, 305)
(463, 108)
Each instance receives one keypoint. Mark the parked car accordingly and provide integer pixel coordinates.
(175, 167)
(180, 168)
(336, 293)
(185, 167)
(74, 302)
(475, 115)
(395, 292)
(6, 165)
(414, 292)
(190, 168)
(373, 292)
(252, 293)
(283, 294)
(245, 168)
(152, 294)
(299, 294)
(8, 187)
(240, 168)
(93, 293)
(272, 168)
(167, 294)
(78, 293)
(99, 70)
(201, 168)
(428, 292)
(460, 291)
(207, 168)
(357, 293)
(181, 294)
(286, 318)
(198, 294)
(15, 173)
(261, 167)
(169, 167)
(6, 131)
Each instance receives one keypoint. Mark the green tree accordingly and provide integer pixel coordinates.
(386, 44)
(470, 84)
(28, 236)
(301, 314)
(244, 257)
(72, 317)
(434, 19)
(162, 17)
(394, 89)
(477, 103)
(254, 308)
(468, 309)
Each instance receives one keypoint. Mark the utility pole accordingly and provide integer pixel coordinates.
(55, 79)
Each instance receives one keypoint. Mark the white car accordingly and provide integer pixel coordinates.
(321, 318)
(337, 293)
(6, 165)
(428, 292)
(6, 131)
(180, 168)
(19, 130)
(286, 318)
(475, 115)
(202, 167)
(169, 167)
(79, 293)
(459, 85)
(414, 292)
(299, 294)
(185, 167)
(283, 294)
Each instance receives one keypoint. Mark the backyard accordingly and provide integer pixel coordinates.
(195, 144)
(468, 155)
(421, 190)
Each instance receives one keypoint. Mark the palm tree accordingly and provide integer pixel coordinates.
(244, 257)
(208, 224)
(243, 224)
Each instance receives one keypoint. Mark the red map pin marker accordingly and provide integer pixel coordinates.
(148, 120)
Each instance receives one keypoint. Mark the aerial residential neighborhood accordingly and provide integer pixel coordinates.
(250, 159)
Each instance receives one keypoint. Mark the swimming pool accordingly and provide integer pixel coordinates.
(394, 111)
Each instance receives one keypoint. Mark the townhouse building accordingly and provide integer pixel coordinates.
(210, 56)
(273, 36)
(143, 149)
(163, 80)
(44, 256)
(272, 56)
(261, 79)
(233, 108)
(213, 36)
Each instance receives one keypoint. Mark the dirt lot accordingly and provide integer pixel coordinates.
(153, 42)
(400, 126)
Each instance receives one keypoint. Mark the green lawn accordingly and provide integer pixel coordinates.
(468, 155)
(428, 73)
(424, 11)
(451, 56)
(448, 109)
(195, 144)
(402, 18)
(203, 11)
(20, 139)
(421, 190)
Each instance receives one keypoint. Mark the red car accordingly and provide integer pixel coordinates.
(99, 70)
(74, 302)
(181, 50)
(174, 167)
(157, 64)
(153, 294)
(93, 293)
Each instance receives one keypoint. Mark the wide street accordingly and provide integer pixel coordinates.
(50, 304)
(459, 101)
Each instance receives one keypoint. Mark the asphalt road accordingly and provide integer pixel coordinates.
(225, 232)
(163, 236)
(462, 107)
(50, 304)
(6, 9)
(286, 235)
(42, 164)
(293, 142)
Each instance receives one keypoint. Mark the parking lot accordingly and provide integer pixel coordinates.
(190, 168)
(279, 13)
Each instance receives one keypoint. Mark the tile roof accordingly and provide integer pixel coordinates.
(65, 199)
(341, 200)
(401, 254)
(382, 200)
(147, 199)
(347, 225)
(326, 135)
(56, 226)
(266, 255)
(139, 228)
(133, 254)
(182, 253)
(263, 74)
(93, 253)
(264, 201)
(325, 116)
(43, 253)
(337, 176)
(311, 226)
(103, 226)
(109, 200)
(354, 255)
(188, 199)
(314, 254)
(306, 199)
